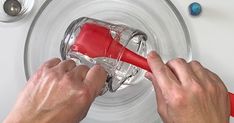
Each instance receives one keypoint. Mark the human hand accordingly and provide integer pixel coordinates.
(59, 92)
(188, 92)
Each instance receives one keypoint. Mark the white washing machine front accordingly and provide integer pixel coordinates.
(211, 37)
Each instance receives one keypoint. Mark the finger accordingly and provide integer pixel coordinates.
(216, 78)
(212, 75)
(47, 65)
(182, 70)
(80, 72)
(66, 65)
(51, 63)
(206, 77)
(148, 76)
(164, 76)
(199, 71)
(95, 79)
(161, 104)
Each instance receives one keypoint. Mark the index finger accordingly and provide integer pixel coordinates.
(95, 79)
(164, 76)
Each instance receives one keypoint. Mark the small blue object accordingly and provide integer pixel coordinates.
(195, 9)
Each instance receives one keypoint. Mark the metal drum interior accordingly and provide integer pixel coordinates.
(159, 19)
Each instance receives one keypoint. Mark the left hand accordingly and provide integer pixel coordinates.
(59, 92)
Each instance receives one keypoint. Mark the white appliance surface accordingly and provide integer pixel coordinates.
(212, 36)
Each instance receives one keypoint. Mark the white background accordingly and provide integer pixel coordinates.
(212, 41)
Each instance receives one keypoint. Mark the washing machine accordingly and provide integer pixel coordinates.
(33, 36)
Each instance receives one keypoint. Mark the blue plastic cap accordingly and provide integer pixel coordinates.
(195, 9)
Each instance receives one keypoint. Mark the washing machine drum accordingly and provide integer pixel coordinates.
(167, 33)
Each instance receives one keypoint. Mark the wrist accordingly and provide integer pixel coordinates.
(11, 119)
(16, 118)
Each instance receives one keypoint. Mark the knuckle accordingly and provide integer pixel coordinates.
(71, 61)
(196, 88)
(195, 64)
(48, 63)
(55, 60)
(222, 87)
(176, 61)
(52, 73)
(68, 61)
(178, 99)
(45, 66)
(68, 77)
(212, 87)
(83, 96)
(213, 75)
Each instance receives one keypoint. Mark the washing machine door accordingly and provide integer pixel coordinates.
(159, 19)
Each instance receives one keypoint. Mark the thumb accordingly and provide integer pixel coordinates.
(95, 79)
(161, 104)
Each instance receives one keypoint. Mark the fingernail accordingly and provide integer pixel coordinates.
(152, 54)
(148, 76)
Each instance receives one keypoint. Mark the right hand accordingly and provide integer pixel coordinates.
(188, 92)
